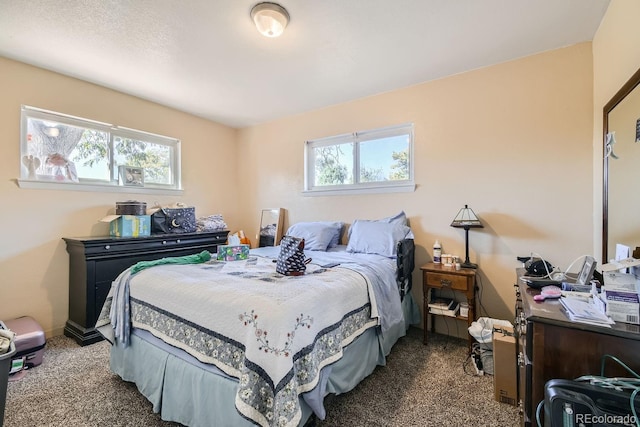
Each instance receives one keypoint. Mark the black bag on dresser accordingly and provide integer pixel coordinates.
(174, 220)
(291, 260)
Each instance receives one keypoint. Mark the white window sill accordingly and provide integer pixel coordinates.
(401, 188)
(99, 188)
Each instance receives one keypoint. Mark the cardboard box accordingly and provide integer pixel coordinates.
(128, 225)
(622, 306)
(233, 252)
(622, 297)
(505, 380)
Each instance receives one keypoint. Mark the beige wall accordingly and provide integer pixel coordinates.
(519, 142)
(33, 260)
(513, 141)
(615, 58)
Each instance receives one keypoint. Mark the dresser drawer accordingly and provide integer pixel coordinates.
(126, 247)
(444, 280)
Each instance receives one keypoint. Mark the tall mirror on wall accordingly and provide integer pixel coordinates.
(621, 167)
(271, 222)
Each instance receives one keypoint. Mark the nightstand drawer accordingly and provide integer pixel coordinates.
(443, 280)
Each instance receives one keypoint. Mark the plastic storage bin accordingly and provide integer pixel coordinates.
(5, 366)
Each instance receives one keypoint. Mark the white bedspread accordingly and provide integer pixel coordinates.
(274, 333)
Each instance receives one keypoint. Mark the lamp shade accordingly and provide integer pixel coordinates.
(466, 218)
(270, 18)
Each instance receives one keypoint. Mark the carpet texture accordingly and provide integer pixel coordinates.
(420, 386)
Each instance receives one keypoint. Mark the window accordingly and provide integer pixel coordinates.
(379, 160)
(62, 149)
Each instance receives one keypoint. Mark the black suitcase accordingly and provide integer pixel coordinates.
(570, 403)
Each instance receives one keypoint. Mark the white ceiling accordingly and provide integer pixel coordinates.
(205, 57)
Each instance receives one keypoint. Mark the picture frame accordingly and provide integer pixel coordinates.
(130, 176)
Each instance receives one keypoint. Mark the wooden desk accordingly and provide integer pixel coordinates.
(436, 276)
(550, 346)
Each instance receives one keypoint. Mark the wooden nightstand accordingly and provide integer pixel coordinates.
(436, 276)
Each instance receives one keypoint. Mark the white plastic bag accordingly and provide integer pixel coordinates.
(482, 329)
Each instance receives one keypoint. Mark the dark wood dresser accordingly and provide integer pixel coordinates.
(550, 346)
(94, 262)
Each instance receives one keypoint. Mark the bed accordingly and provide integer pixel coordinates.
(235, 343)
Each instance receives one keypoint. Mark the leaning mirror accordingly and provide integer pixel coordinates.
(621, 174)
(271, 221)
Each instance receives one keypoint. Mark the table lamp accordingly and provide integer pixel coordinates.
(466, 219)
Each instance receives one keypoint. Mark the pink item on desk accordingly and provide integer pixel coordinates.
(548, 292)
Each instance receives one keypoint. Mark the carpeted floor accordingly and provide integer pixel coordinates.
(420, 386)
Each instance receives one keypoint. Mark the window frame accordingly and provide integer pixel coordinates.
(392, 186)
(87, 184)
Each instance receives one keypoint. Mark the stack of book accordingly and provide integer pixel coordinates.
(444, 306)
(585, 312)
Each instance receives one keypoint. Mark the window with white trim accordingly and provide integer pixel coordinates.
(379, 160)
(63, 149)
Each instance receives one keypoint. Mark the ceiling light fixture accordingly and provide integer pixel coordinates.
(270, 18)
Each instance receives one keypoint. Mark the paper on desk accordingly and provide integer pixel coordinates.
(622, 252)
(582, 296)
(623, 263)
(585, 312)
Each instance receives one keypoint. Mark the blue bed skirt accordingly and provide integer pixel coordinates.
(184, 390)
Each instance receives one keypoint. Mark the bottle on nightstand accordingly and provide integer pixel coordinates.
(437, 252)
(464, 309)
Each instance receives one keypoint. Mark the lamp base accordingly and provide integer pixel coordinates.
(468, 265)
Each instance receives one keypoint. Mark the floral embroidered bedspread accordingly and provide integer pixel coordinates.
(272, 332)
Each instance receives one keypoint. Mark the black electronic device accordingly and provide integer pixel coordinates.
(538, 267)
(583, 278)
(573, 403)
(539, 282)
(537, 272)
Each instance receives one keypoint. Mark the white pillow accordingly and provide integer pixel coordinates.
(376, 237)
(319, 235)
